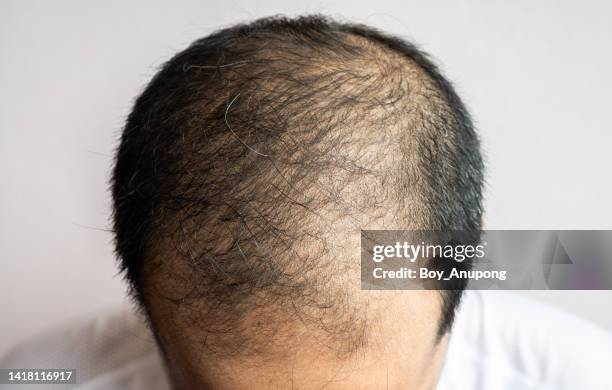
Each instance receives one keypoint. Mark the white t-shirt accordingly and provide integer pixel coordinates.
(500, 341)
(504, 341)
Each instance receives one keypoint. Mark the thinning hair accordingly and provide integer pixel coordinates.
(256, 150)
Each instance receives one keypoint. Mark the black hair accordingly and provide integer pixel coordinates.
(241, 143)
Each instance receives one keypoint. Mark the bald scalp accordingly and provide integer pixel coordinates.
(254, 157)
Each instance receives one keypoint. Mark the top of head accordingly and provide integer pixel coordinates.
(254, 157)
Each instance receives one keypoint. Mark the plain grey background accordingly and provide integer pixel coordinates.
(535, 74)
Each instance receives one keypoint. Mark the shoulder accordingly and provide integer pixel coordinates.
(504, 341)
(112, 350)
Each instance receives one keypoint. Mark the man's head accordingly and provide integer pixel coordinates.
(245, 173)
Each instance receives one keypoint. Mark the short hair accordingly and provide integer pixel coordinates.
(246, 149)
